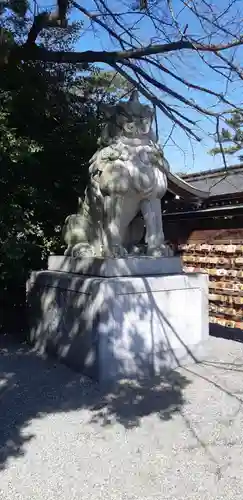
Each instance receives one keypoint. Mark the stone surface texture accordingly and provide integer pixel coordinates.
(109, 267)
(127, 175)
(111, 328)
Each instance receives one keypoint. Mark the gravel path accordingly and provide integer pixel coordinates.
(180, 438)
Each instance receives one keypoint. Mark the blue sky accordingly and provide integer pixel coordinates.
(183, 154)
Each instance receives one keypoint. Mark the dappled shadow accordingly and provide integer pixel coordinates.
(131, 400)
(32, 387)
(115, 327)
(108, 329)
(140, 343)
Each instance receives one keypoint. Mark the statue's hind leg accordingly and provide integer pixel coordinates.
(151, 210)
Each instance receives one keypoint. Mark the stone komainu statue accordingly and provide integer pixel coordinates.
(127, 175)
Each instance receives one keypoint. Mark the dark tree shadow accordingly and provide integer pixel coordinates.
(132, 400)
(224, 332)
(33, 387)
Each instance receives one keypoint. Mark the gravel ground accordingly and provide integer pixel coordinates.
(179, 438)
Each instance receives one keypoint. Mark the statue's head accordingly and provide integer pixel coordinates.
(128, 118)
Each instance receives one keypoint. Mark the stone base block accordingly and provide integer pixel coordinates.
(123, 327)
(111, 267)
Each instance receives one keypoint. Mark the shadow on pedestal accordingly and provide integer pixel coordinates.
(122, 326)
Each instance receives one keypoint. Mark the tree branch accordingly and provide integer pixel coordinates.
(43, 20)
(171, 92)
(220, 144)
(34, 53)
(101, 23)
(185, 82)
(131, 55)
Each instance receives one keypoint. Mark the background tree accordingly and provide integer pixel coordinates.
(231, 138)
(163, 48)
(49, 125)
(52, 82)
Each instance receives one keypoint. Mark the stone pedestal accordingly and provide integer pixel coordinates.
(109, 267)
(118, 326)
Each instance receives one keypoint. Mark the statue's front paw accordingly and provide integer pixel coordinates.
(138, 251)
(82, 250)
(118, 251)
(161, 251)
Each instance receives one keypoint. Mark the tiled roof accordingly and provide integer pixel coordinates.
(218, 182)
